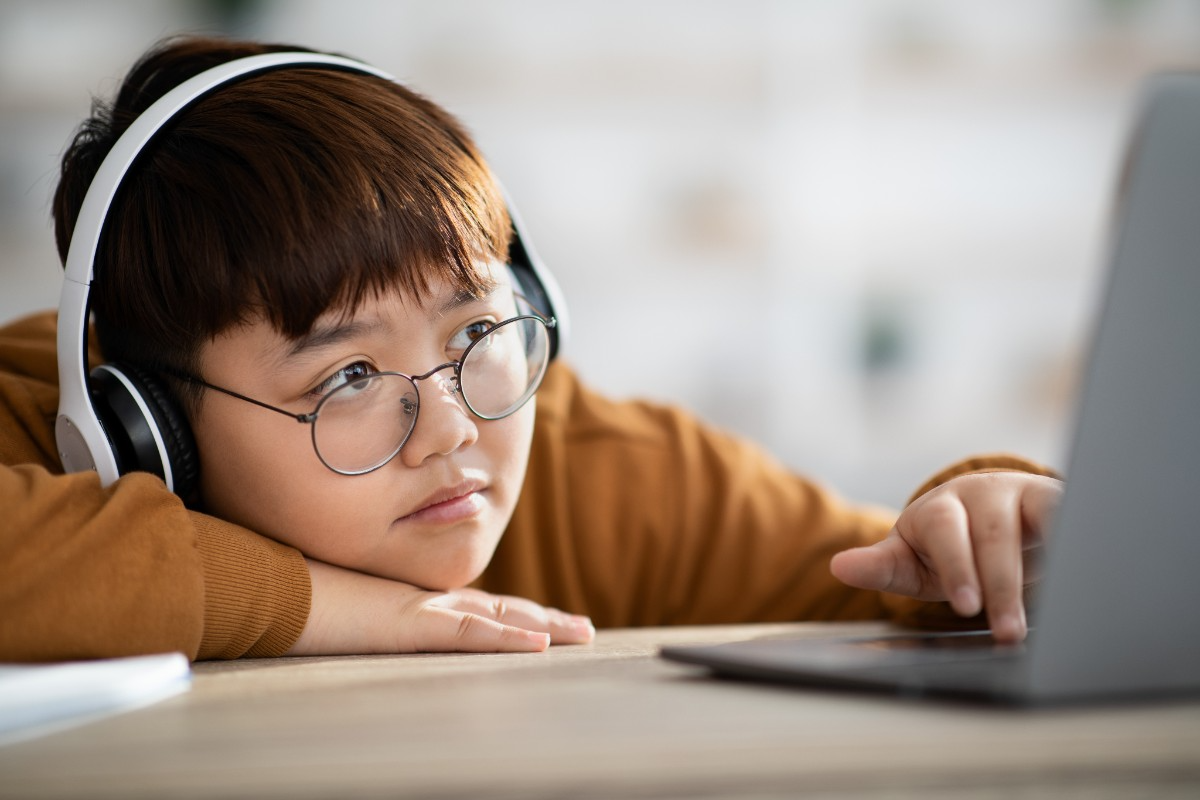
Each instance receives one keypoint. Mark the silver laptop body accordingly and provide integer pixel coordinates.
(1118, 610)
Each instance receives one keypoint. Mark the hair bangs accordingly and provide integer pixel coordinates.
(285, 196)
(361, 196)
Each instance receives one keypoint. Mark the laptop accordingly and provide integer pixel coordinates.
(1118, 608)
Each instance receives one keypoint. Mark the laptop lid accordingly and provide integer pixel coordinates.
(1120, 604)
(1118, 611)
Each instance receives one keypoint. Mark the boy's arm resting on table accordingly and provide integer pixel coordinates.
(91, 572)
(357, 613)
(87, 572)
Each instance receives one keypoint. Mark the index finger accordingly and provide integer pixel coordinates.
(997, 534)
(520, 612)
(448, 630)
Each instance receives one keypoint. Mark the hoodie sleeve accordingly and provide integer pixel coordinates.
(90, 572)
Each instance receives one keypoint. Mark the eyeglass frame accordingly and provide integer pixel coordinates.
(310, 418)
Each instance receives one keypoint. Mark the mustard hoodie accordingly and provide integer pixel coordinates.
(631, 513)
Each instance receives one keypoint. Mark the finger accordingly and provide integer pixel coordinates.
(996, 533)
(1039, 502)
(889, 565)
(519, 612)
(563, 628)
(1031, 565)
(938, 530)
(443, 630)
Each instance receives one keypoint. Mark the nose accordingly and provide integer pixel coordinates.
(443, 424)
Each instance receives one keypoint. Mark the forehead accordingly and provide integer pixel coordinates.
(391, 311)
(440, 298)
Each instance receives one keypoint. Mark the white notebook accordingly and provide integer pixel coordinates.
(38, 699)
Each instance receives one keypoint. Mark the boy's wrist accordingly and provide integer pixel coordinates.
(997, 462)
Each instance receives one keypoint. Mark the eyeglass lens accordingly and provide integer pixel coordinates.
(363, 424)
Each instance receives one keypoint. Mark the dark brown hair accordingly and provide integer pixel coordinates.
(278, 197)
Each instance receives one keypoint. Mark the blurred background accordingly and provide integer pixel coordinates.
(869, 235)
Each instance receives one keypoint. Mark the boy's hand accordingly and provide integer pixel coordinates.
(974, 541)
(356, 613)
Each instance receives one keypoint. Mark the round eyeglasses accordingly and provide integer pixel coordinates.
(363, 423)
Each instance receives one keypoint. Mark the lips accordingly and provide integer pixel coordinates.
(449, 503)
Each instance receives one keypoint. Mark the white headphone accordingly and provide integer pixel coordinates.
(122, 419)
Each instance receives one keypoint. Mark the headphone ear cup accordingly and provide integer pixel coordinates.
(134, 405)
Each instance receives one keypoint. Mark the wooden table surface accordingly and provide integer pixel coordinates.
(609, 719)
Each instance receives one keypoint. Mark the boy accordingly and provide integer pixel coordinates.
(327, 248)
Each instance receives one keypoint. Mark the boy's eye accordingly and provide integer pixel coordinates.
(347, 374)
(461, 340)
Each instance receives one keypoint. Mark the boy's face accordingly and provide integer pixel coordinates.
(434, 514)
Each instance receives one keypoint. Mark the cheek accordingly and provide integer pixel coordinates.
(262, 473)
(507, 442)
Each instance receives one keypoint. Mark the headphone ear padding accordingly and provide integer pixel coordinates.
(134, 404)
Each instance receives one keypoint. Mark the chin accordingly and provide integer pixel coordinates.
(450, 576)
(449, 583)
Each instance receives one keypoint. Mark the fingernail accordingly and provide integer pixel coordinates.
(966, 600)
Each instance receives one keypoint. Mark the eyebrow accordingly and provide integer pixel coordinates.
(464, 297)
(321, 337)
(330, 335)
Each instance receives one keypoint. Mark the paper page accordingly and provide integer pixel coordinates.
(42, 698)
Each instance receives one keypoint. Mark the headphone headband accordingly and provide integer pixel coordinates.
(86, 238)
(83, 442)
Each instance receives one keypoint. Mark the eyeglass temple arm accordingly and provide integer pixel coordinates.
(183, 376)
(549, 322)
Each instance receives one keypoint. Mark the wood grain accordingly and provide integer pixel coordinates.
(604, 720)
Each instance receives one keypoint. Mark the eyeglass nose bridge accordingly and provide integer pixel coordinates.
(452, 385)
